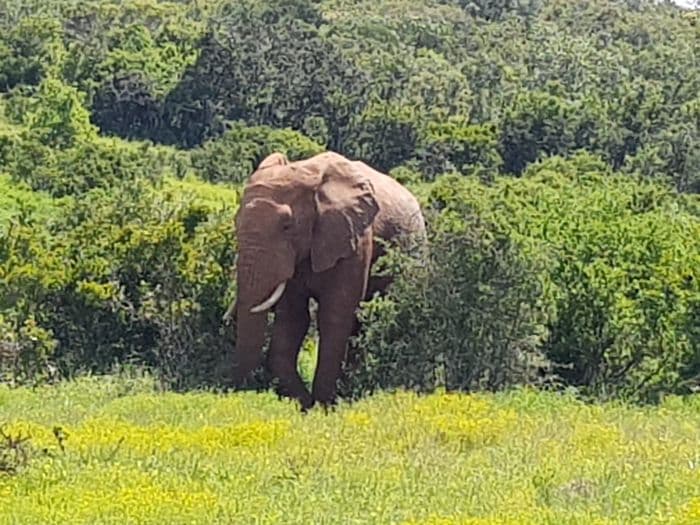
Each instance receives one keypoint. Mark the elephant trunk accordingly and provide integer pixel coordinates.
(262, 278)
(260, 287)
(250, 337)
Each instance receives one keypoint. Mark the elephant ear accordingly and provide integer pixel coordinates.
(346, 207)
(273, 159)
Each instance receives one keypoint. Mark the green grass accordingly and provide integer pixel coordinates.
(127, 454)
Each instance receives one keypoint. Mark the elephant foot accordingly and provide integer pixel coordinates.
(301, 395)
(306, 405)
(329, 402)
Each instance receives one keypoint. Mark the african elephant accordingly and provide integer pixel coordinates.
(311, 229)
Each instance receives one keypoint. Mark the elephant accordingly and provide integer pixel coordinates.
(306, 229)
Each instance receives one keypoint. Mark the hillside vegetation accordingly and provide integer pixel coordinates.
(555, 146)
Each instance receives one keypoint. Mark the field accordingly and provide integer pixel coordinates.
(555, 150)
(114, 450)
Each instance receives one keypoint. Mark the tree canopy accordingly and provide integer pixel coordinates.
(555, 142)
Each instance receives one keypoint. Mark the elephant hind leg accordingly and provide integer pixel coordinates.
(291, 325)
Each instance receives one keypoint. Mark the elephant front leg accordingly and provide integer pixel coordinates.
(291, 325)
(334, 331)
(337, 322)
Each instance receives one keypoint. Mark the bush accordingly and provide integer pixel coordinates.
(385, 135)
(235, 155)
(26, 350)
(30, 271)
(28, 50)
(54, 114)
(452, 146)
(540, 124)
(621, 274)
(264, 63)
(135, 275)
(148, 280)
(100, 163)
(466, 317)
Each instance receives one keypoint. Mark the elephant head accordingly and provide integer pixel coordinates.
(293, 218)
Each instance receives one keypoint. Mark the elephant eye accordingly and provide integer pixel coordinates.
(286, 220)
(287, 224)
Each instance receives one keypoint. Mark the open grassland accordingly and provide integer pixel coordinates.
(114, 451)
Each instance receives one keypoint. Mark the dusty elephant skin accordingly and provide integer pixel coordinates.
(310, 229)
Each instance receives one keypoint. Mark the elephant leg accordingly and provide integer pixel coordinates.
(337, 322)
(354, 355)
(334, 332)
(290, 327)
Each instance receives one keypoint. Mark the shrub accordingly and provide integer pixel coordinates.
(28, 50)
(620, 271)
(54, 114)
(100, 163)
(452, 146)
(29, 272)
(26, 350)
(385, 135)
(539, 124)
(265, 63)
(148, 280)
(466, 317)
(234, 156)
(132, 274)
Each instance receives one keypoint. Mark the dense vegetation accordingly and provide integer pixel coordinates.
(113, 451)
(555, 145)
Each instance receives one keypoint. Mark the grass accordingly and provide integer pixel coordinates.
(106, 450)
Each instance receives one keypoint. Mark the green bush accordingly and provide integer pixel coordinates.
(621, 274)
(385, 135)
(540, 124)
(133, 274)
(26, 351)
(30, 271)
(264, 63)
(99, 163)
(148, 282)
(233, 156)
(53, 113)
(465, 317)
(452, 146)
(28, 50)
(19, 199)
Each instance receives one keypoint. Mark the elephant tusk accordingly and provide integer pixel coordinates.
(270, 302)
(229, 313)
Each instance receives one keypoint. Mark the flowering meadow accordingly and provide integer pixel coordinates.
(113, 450)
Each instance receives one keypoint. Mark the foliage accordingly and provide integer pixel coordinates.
(449, 146)
(17, 198)
(101, 163)
(129, 275)
(474, 327)
(159, 272)
(127, 127)
(233, 156)
(621, 274)
(54, 114)
(539, 124)
(530, 458)
(263, 63)
(28, 51)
